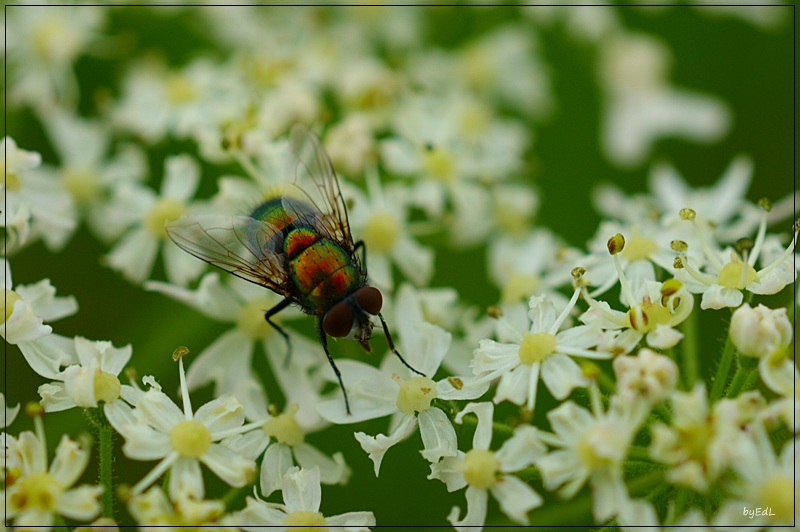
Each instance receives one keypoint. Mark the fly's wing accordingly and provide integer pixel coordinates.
(313, 195)
(240, 245)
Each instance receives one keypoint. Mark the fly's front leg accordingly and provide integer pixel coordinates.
(392, 348)
(323, 339)
(271, 312)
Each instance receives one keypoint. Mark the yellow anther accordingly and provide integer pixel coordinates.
(687, 214)
(616, 244)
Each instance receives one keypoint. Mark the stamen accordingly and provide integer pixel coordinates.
(613, 318)
(187, 403)
(689, 214)
(615, 246)
(154, 473)
(493, 312)
(574, 299)
(703, 278)
(780, 260)
(595, 400)
(760, 237)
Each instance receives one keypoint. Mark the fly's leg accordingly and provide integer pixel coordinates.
(393, 349)
(360, 244)
(323, 339)
(271, 312)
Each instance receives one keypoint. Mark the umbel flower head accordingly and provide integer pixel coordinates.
(157, 429)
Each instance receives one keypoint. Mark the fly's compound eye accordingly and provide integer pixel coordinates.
(370, 299)
(338, 321)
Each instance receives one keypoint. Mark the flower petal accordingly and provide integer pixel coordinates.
(186, 479)
(561, 375)
(483, 432)
(80, 503)
(158, 411)
(515, 498)
(301, 490)
(476, 511)
(438, 435)
(69, 463)
(377, 446)
(222, 414)
(331, 470)
(276, 462)
(521, 450)
(352, 521)
(233, 468)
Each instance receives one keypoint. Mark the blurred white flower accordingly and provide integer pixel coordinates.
(10, 414)
(760, 332)
(157, 429)
(484, 471)
(152, 510)
(641, 106)
(35, 493)
(26, 309)
(135, 252)
(301, 500)
(648, 376)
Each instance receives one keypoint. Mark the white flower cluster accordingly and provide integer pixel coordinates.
(433, 145)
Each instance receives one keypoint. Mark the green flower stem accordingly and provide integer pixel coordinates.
(721, 377)
(639, 453)
(638, 466)
(232, 496)
(689, 350)
(747, 366)
(500, 431)
(59, 523)
(607, 384)
(529, 474)
(645, 483)
(105, 437)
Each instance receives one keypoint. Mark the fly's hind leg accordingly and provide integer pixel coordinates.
(323, 339)
(271, 312)
(392, 347)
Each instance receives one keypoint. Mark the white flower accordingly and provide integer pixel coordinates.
(34, 493)
(699, 443)
(92, 380)
(157, 429)
(542, 351)
(301, 500)
(379, 219)
(723, 286)
(87, 172)
(592, 447)
(655, 309)
(135, 253)
(642, 107)
(26, 309)
(153, 511)
(289, 447)
(10, 413)
(351, 144)
(375, 393)
(760, 332)
(485, 471)
(228, 360)
(53, 216)
(767, 482)
(647, 375)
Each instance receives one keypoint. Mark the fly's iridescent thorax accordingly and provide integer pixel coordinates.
(321, 272)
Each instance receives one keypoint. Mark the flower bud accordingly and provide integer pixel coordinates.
(761, 331)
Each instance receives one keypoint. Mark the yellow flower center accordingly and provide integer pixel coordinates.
(251, 319)
(777, 493)
(639, 247)
(12, 181)
(82, 183)
(106, 386)
(440, 164)
(480, 468)
(284, 428)
(38, 491)
(190, 438)
(165, 210)
(475, 118)
(650, 314)
(731, 275)
(694, 439)
(180, 89)
(380, 232)
(10, 298)
(304, 521)
(519, 286)
(536, 347)
(415, 394)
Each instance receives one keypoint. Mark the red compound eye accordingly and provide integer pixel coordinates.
(370, 299)
(338, 321)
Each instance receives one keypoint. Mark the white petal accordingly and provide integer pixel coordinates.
(134, 254)
(250, 445)
(413, 259)
(301, 490)
(476, 511)
(609, 493)
(450, 470)
(181, 267)
(54, 397)
(331, 470)
(514, 385)
(570, 421)
(80, 503)
(257, 515)
(515, 498)
(636, 515)
(48, 354)
(438, 435)
(352, 521)
(559, 466)
(277, 461)
(69, 463)
(561, 375)
(380, 270)
(468, 387)
(664, 337)
(181, 177)
(212, 298)
(144, 443)
(521, 450)
(34, 519)
(159, 411)
(542, 314)
(24, 325)
(483, 432)
(186, 479)
(79, 385)
(233, 468)
(222, 414)
(717, 297)
(377, 446)
(42, 297)
(10, 413)
(371, 392)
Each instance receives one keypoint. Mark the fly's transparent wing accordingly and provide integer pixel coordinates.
(313, 195)
(243, 246)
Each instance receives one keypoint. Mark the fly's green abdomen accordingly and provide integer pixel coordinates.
(322, 272)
